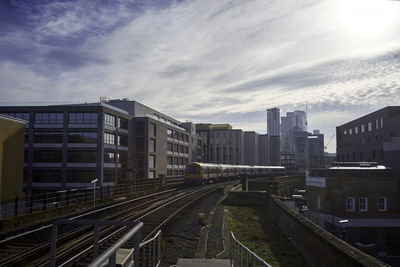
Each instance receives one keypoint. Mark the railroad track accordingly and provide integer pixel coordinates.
(74, 248)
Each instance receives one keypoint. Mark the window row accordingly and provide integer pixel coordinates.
(377, 124)
(18, 115)
(177, 135)
(177, 161)
(122, 140)
(55, 156)
(363, 204)
(177, 148)
(171, 173)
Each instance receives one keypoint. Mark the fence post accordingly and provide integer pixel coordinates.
(16, 206)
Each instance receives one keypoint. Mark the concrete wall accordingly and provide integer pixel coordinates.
(240, 198)
(11, 159)
(319, 246)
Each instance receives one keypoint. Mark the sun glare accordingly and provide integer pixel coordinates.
(367, 17)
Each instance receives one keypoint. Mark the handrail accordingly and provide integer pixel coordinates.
(236, 251)
(110, 253)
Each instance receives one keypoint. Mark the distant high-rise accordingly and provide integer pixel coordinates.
(273, 122)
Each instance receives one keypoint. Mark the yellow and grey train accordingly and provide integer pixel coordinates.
(197, 173)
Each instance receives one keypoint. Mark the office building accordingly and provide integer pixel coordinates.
(264, 150)
(221, 144)
(273, 122)
(251, 147)
(316, 157)
(373, 137)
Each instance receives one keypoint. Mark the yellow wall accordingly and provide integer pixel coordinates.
(12, 135)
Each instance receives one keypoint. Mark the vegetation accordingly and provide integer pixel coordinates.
(256, 229)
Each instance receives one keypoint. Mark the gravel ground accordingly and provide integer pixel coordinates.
(214, 242)
(180, 236)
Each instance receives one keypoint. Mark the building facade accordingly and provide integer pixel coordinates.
(12, 135)
(359, 203)
(372, 137)
(273, 122)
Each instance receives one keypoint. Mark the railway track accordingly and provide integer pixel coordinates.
(74, 246)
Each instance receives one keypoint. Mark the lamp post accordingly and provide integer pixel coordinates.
(343, 223)
(94, 191)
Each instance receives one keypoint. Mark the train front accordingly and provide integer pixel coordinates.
(193, 174)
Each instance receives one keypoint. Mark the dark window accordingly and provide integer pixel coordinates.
(48, 137)
(82, 118)
(176, 148)
(373, 154)
(140, 144)
(109, 157)
(139, 128)
(186, 138)
(123, 123)
(18, 115)
(109, 139)
(82, 156)
(45, 176)
(170, 160)
(176, 160)
(170, 147)
(109, 175)
(122, 140)
(152, 145)
(80, 176)
(48, 118)
(109, 120)
(153, 129)
(47, 156)
(26, 156)
(82, 137)
(170, 133)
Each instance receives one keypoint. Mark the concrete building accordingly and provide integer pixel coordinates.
(273, 122)
(316, 158)
(12, 135)
(358, 202)
(263, 150)
(67, 146)
(251, 147)
(275, 151)
(293, 122)
(221, 144)
(373, 137)
(162, 145)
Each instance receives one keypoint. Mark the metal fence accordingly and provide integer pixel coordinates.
(51, 200)
(240, 255)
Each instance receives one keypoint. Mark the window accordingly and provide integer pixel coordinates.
(109, 157)
(48, 137)
(176, 135)
(170, 133)
(18, 115)
(356, 130)
(152, 145)
(170, 147)
(53, 156)
(176, 148)
(169, 173)
(80, 176)
(109, 139)
(153, 129)
(139, 126)
(350, 203)
(140, 144)
(46, 176)
(319, 202)
(109, 120)
(369, 126)
(363, 204)
(186, 138)
(351, 131)
(152, 174)
(82, 156)
(152, 161)
(47, 118)
(123, 123)
(82, 117)
(82, 137)
(122, 140)
(381, 122)
(176, 160)
(170, 160)
(362, 128)
(382, 204)
(376, 124)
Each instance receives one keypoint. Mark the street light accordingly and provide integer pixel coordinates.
(342, 223)
(94, 191)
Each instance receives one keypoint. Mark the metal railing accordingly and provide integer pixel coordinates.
(51, 200)
(240, 255)
(148, 252)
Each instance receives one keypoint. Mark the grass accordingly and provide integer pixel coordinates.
(256, 229)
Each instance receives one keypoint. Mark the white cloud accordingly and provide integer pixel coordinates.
(209, 60)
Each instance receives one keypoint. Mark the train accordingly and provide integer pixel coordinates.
(198, 173)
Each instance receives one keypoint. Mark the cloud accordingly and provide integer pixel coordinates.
(202, 60)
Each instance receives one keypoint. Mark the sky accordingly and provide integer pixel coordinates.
(223, 61)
